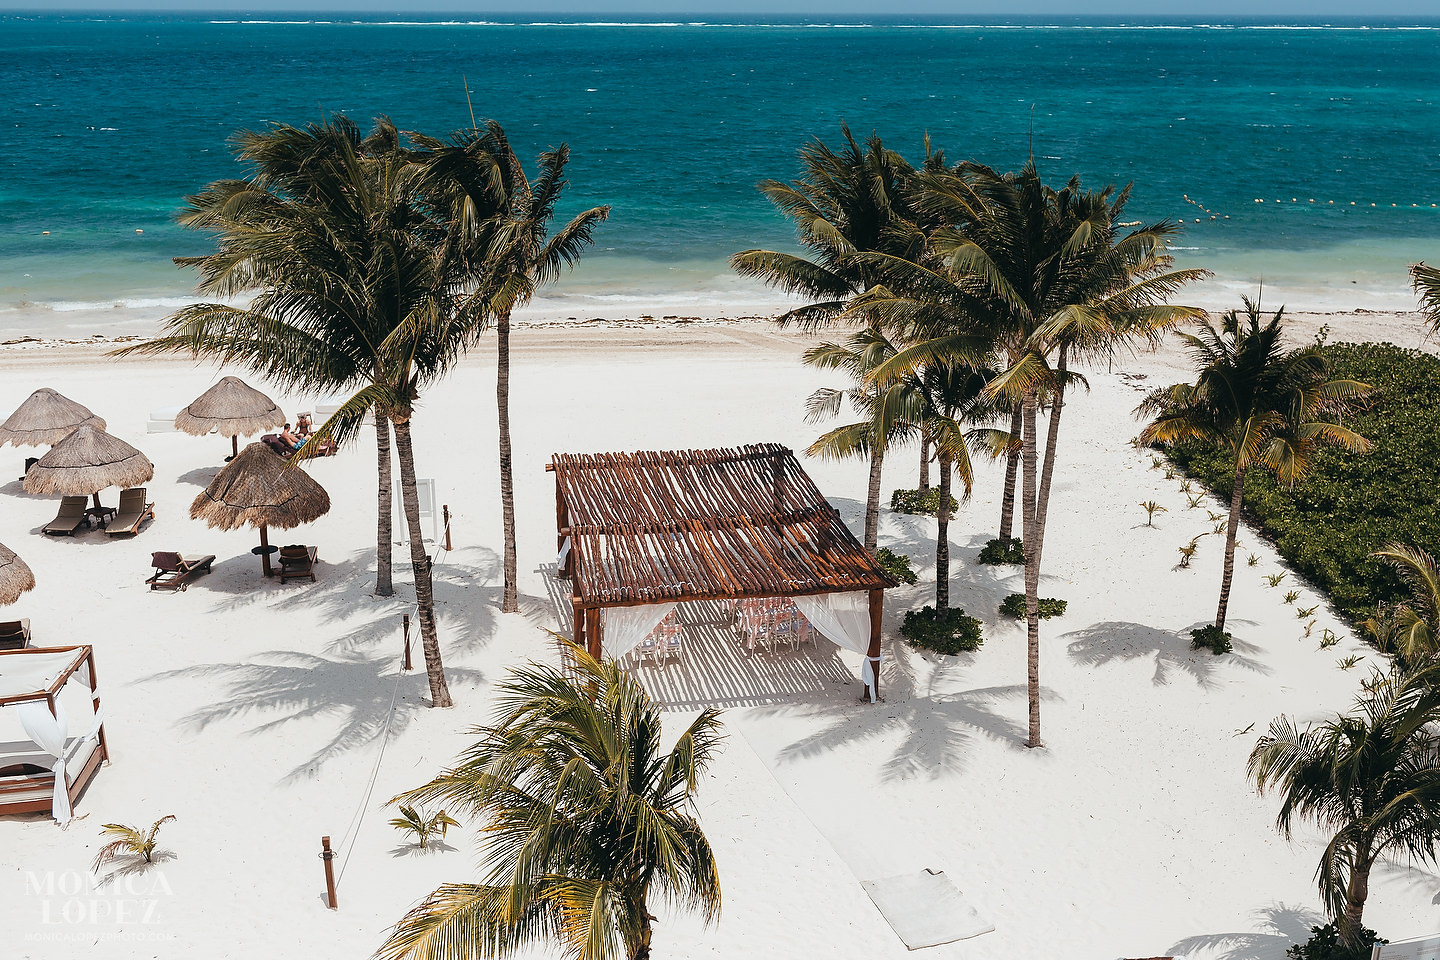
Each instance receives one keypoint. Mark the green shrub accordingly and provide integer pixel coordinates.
(1014, 606)
(1213, 637)
(896, 564)
(912, 501)
(951, 633)
(1000, 551)
(1324, 944)
(1352, 504)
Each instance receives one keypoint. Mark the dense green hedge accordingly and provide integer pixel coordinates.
(1353, 504)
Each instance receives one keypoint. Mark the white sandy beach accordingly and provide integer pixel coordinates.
(254, 711)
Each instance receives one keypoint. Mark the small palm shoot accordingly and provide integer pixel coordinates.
(1292, 595)
(1169, 473)
(1215, 517)
(1151, 508)
(1195, 499)
(1309, 627)
(1275, 579)
(1187, 553)
(1350, 661)
(1328, 638)
(1219, 527)
(1156, 463)
(1252, 560)
(423, 826)
(129, 842)
(1186, 488)
(1305, 613)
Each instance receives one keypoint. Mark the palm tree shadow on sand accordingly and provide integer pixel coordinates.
(1119, 640)
(1277, 927)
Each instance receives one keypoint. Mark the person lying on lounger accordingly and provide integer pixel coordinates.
(290, 439)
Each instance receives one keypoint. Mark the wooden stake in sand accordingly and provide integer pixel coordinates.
(328, 856)
(445, 510)
(406, 629)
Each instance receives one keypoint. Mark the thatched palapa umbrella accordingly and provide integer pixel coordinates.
(86, 462)
(234, 408)
(45, 418)
(261, 488)
(15, 576)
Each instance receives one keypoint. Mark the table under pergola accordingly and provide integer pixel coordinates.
(638, 533)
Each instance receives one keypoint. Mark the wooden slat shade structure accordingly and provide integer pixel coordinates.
(657, 527)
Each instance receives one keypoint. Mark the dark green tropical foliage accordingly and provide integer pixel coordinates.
(1212, 638)
(949, 631)
(915, 502)
(585, 822)
(1013, 606)
(897, 565)
(1324, 944)
(998, 552)
(1369, 780)
(1348, 507)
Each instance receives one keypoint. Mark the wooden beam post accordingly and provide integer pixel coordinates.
(328, 856)
(406, 628)
(594, 639)
(877, 612)
(446, 511)
(578, 630)
(265, 551)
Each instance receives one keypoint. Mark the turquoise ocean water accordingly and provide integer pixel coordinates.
(108, 122)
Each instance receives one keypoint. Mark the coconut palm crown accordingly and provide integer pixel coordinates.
(1370, 777)
(585, 821)
(1262, 402)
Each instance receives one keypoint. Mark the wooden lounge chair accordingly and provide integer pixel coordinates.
(133, 512)
(15, 635)
(297, 561)
(30, 462)
(68, 520)
(172, 571)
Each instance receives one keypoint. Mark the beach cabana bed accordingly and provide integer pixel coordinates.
(640, 532)
(52, 740)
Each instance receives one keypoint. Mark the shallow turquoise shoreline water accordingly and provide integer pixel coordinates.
(110, 121)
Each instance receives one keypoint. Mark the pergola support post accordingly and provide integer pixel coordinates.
(578, 627)
(877, 611)
(594, 639)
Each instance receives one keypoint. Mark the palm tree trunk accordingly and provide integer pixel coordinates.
(1012, 466)
(872, 500)
(384, 531)
(510, 602)
(1236, 494)
(942, 540)
(1042, 499)
(924, 485)
(1348, 925)
(642, 943)
(1032, 570)
(424, 590)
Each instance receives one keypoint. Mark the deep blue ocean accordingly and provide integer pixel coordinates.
(108, 122)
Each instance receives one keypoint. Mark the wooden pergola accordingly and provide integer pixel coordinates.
(660, 527)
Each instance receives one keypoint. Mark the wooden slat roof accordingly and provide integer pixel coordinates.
(652, 527)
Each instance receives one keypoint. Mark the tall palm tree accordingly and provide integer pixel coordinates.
(330, 236)
(1409, 631)
(1258, 400)
(585, 821)
(853, 201)
(887, 413)
(1372, 777)
(1035, 278)
(1427, 284)
(499, 230)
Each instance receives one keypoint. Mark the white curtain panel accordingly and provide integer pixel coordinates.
(625, 627)
(49, 733)
(844, 619)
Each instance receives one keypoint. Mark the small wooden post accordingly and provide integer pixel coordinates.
(407, 642)
(328, 856)
(594, 642)
(265, 551)
(446, 513)
(877, 610)
(578, 636)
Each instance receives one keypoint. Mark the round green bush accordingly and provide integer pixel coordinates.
(1014, 606)
(896, 564)
(999, 552)
(952, 632)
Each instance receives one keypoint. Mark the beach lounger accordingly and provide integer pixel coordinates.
(297, 561)
(68, 520)
(14, 635)
(173, 571)
(29, 462)
(133, 512)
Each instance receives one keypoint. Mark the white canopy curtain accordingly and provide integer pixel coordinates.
(625, 627)
(844, 619)
(49, 733)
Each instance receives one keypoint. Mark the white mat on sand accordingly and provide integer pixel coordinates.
(925, 909)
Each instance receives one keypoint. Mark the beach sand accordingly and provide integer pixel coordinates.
(254, 711)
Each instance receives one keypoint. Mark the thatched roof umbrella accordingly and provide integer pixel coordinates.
(45, 418)
(261, 488)
(235, 408)
(15, 576)
(86, 462)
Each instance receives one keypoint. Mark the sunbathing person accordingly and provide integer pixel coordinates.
(290, 439)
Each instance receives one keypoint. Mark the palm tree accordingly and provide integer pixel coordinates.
(1035, 278)
(1409, 631)
(1372, 777)
(887, 413)
(1258, 400)
(499, 230)
(330, 235)
(1427, 284)
(585, 821)
(855, 201)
